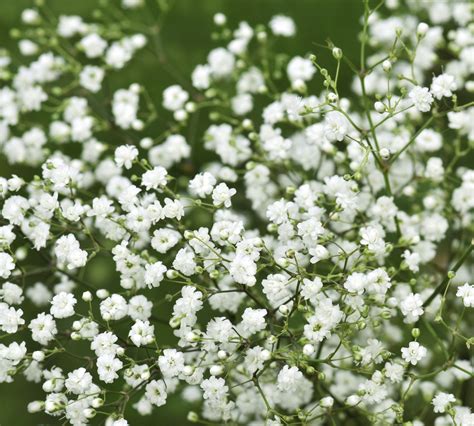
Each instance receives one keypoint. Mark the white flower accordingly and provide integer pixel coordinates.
(372, 237)
(154, 274)
(78, 381)
(142, 333)
(466, 292)
(62, 305)
(69, 253)
(443, 85)
(221, 62)
(412, 308)
(283, 26)
(300, 69)
(113, 308)
(107, 367)
(356, 283)
(421, 98)
(214, 389)
(394, 372)
(201, 77)
(91, 78)
(11, 293)
(414, 353)
(43, 328)
(174, 97)
(222, 195)
(311, 288)
(336, 126)
(441, 401)
(93, 45)
(7, 265)
(288, 379)
(155, 392)
(171, 363)
(152, 179)
(412, 260)
(125, 155)
(253, 321)
(202, 184)
(10, 318)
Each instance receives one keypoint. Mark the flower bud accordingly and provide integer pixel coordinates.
(337, 53)
(298, 85)
(386, 65)
(190, 107)
(384, 153)
(308, 349)
(216, 370)
(247, 124)
(102, 293)
(146, 143)
(352, 400)
(379, 107)
(138, 125)
(97, 402)
(180, 115)
(192, 336)
(35, 406)
(327, 402)
(265, 355)
(188, 370)
(89, 413)
(192, 417)
(48, 386)
(171, 274)
(422, 29)
(220, 19)
(38, 356)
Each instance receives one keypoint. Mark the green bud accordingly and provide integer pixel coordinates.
(337, 53)
(15, 33)
(415, 333)
(214, 274)
(192, 417)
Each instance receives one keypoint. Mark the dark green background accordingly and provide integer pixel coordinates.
(186, 38)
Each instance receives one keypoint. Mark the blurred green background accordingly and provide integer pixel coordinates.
(186, 37)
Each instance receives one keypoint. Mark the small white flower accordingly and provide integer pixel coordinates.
(414, 353)
(421, 98)
(125, 155)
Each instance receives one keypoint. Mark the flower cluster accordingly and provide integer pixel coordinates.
(316, 270)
